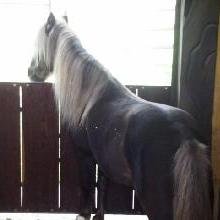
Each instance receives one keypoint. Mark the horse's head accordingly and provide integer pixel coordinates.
(43, 59)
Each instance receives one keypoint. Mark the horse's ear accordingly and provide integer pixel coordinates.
(50, 23)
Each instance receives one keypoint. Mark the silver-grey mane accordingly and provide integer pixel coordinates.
(80, 80)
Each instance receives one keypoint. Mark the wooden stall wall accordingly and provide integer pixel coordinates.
(40, 148)
(10, 187)
(198, 58)
(194, 68)
(39, 169)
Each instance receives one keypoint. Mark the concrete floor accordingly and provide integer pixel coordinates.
(30, 216)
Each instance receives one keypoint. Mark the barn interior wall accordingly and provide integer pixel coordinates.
(195, 43)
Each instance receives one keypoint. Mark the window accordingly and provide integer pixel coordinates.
(133, 39)
(19, 22)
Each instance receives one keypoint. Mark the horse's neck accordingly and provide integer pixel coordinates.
(81, 80)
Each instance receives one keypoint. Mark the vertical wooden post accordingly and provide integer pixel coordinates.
(41, 148)
(10, 194)
(216, 134)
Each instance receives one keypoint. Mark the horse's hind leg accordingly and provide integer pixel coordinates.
(87, 182)
(155, 202)
(154, 188)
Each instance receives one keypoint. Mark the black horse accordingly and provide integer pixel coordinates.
(152, 147)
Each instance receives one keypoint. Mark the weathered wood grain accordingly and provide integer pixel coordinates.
(10, 196)
(41, 152)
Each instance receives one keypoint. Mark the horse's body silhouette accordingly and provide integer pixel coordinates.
(152, 147)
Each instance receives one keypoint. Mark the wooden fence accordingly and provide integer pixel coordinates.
(38, 166)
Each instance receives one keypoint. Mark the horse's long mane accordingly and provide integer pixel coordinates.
(80, 80)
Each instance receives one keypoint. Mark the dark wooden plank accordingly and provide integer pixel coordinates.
(70, 183)
(132, 88)
(199, 43)
(70, 190)
(10, 198)
(160, 94)
(41, 148)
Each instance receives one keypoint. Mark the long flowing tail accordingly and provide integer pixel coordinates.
(191, 180)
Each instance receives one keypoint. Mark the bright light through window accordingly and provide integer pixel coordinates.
(133, 39)
(19, 22)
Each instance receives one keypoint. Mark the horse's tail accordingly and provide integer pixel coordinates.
(191, 180)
